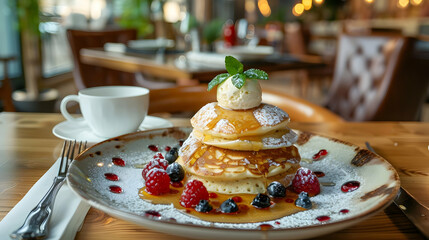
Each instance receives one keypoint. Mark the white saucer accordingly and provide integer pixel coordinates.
(80, 131)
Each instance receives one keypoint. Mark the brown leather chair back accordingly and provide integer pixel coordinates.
(91, 76)
(378, 78)
(192, 98)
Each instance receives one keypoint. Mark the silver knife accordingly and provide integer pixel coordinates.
(416, 212)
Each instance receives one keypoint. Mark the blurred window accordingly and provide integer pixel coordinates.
(56, 16)
(9, 39)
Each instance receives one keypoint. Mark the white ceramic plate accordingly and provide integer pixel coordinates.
(379, 183)
(80, 131)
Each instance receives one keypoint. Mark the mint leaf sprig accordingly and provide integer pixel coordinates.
(235, 69)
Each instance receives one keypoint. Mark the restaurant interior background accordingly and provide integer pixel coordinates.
(33, 33)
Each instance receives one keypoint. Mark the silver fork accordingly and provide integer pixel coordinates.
(36, 224)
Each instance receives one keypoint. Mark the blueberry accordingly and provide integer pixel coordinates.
(229, 206)
(203, 206)
(172, 155)
(303, 201)
(175, 172)
(276, 189)
(261, 201)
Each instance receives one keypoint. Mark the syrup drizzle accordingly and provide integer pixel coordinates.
(115, 189)
(176, 184)
(111, 177)
(344, 211)
(243, 208)
(246, 213)
(265, 227)
(319, 174)
(323, 218)
(320, 155)
(152, 213)
(241, 121)
(118, 162)
(153, 148)
(350, 186)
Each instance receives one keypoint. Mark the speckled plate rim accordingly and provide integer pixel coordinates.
(187, 230)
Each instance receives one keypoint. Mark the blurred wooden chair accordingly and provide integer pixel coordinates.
(297, 40)
(378, 78)
(91, 76)
(5, 87)
(192, 98)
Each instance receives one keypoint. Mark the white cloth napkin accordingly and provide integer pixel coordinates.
(68, 213)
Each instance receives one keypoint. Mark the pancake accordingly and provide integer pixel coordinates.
(210, 162)
(219, 122)
(247, 185)
(240, 151)
(276, 139)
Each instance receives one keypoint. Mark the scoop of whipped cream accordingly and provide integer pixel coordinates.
(230, 97)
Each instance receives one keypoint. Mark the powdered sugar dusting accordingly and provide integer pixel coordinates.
(189, 147)
(204, 116)
(159, 163)
(224, 126)
(269, 115)
(285, 141)
(336, 166)
(154, 170)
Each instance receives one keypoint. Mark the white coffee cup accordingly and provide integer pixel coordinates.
(110, 111)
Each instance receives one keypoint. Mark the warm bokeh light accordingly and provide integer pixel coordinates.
(96, 8)
(172, 12)
(249, 5)
(403, 3)
(318, 2)
(264, 8)
(298, 9)
(307, 4)
(416, 2)
(369, 1)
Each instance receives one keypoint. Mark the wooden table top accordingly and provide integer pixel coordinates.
(175, 66)
(28, 149)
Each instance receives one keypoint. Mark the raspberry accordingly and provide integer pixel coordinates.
(154, 163)
(158, 155)
(305, 181)
(157, 182)
(193, 193)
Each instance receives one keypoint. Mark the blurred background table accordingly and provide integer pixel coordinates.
(28, 149)
(185, 72)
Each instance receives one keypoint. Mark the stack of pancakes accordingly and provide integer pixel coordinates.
(240, 151)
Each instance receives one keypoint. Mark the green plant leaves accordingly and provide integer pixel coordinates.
(235, 69)
(213, 30)
(238, 80)
(233, 66)
(256, 74)
(217, 80)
